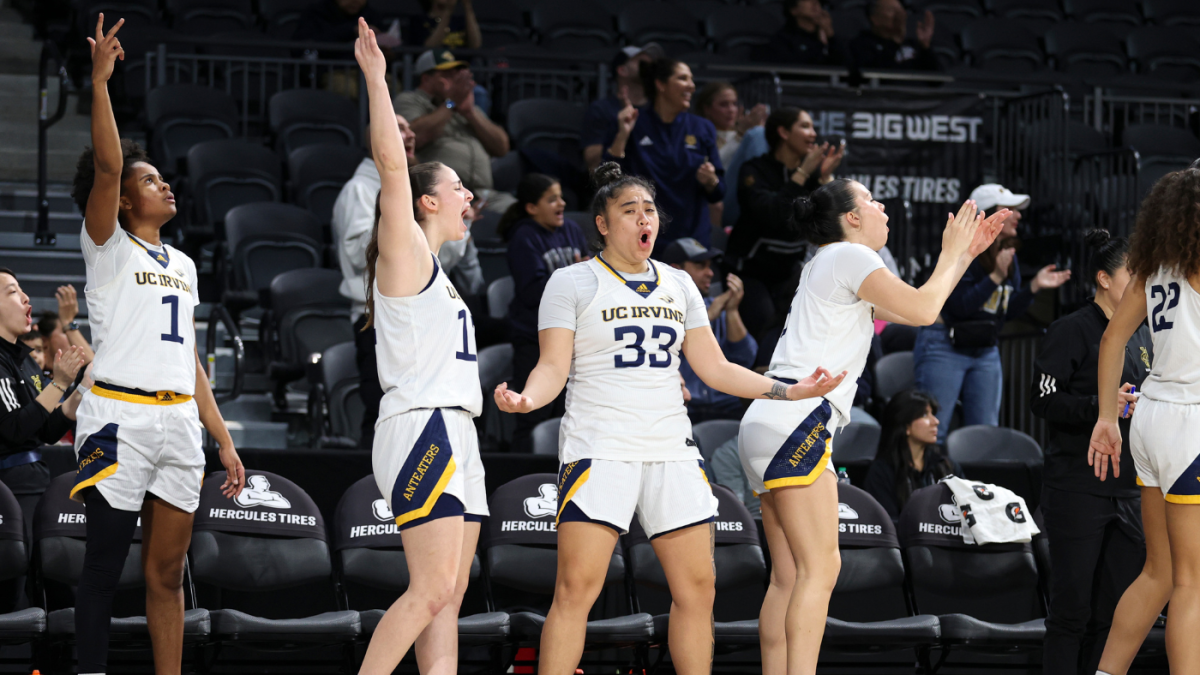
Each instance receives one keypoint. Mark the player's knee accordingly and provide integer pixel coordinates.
(821, 570)
(164, 575)
(576, 590)
(695, 590)
(436, 593)
(783, 577)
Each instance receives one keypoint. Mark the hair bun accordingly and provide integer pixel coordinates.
(606, 173)
(803, 209)
(1097, 238)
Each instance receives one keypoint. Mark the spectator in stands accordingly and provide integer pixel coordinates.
(966, 366)
(60, 330)
(909, 457)
(540, 241)
(33, 413)
(336, 21)
(670, 146)
(353, 220)
(718, 103)
(37, 347)
(885, 44)
(767, 244)
(738, 346)
(600, 122)
(1097, 543)
(450, 129)
(806, 38)
(441, 27)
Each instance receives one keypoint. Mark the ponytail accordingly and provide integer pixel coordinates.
(658, 70)
(820, 214)
(423, 179)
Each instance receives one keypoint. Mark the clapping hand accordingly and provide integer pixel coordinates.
(832, 159)
(106, 49)
(813, 160)
(755, 117)
(1050, 277)
(707, 176)
(734, 292)
(925, 29)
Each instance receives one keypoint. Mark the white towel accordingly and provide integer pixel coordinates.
(991, 514)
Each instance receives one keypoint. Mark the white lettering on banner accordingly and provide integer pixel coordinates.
(528, 526)
(934, 528)
(72, 518)
(264, 517)
(899, 127)
(373, 530)
(912, 188)
(729, 527)
(859, 528)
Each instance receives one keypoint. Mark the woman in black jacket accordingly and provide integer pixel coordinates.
(909, 457)
(1097, 546)
(767, 245)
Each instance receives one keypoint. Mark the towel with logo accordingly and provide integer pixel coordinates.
(991, 514)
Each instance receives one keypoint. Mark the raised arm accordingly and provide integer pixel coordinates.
(704, 354)
(1105, 444)
(966, 235)
(547, 378)
(105, 198)
(405, 262)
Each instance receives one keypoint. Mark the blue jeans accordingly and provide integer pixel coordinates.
(973, 376)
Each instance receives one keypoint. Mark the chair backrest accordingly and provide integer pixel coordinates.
(495, 366)
(317, 174)
(737, 556)
(545, 437)
(1112, 11)
(339, 373)
(13, 555)
(1002, 44)
(992, 582)
(559, 22)
(662, 23)
(182, 115)
(982, 444)
(1156, 140)
(269, 239)
(856, 443)
(538, 122)
(499, 296)
(894, 374)
(870, 585)
(225, 174)
(310, 313)
(205, 17)
(301, 117)
(521, 540)
(712, 434)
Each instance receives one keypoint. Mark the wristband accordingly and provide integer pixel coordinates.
(73, 326)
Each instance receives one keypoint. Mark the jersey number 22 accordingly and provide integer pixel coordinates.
(1167, 299)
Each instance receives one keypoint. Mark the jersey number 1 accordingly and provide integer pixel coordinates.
(465, 354)
(173, 336)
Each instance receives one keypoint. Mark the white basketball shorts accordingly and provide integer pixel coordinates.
(421, 455)
(666, 496)
(129, 443)
(1160, 438)
(786, 443)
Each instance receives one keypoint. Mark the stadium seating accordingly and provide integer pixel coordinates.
(183, 115)
(893, 374)
(301, 117)
(1166, 53)
(266, 579)
(500, 295)
(19, 626)
(855, 447)
(282, 16)
(307, 316)
(1001, 456)
(206, 17)
(1034, 14)
(943, 8)
(712, 434)
(265, 240)
(576, 27)
(662, 23)
(500, 23)
(1172, 12)
(335, 406)
(736, 31)
(226, 174)
(495, 366)
(546, 124)
(1160, 141)
(545, 437)
(1104, 11)
(316, 174)
(372, 570)
(1087, 50)
(1002, 45)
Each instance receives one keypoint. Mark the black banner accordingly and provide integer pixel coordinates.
(269, 504)
(57, 515)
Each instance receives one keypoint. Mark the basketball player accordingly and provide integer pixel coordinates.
(426, 452)
(1164, 263)
(617, 325)
(138, 436)
(785, 446)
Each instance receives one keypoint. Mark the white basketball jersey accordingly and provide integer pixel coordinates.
(823, 333)
(425, 349)
(624, 400)
(142, 318)
(1173, 312)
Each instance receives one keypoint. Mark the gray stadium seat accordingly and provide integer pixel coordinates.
(60, 536)
(894, 374)
(522, 564)
(1160, 141)
(335, 407)
(500, 23)
(268, 577)
(712, 434)
(577, 27)
(507, 171)
(317, 174)
(986, 597)
(546, 124)
(737, 31)
(1167, 53)
(495, 366)
(1172, 12)
(942, 8)
(855, 444)
(1087, 50)
(282, 16)
(225, 174)
(500, 295)
(265, 240)
(301, 117)
(1104, 11)
(545, 437)
(1001, 456)
(372, 570)
(206, 17)
(307, 316)
(182, 115)
(676, 31)
(1002, 45)
(20, 625)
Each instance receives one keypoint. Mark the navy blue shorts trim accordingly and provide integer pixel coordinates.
(446, 506)
(710, 519)
(573, 514)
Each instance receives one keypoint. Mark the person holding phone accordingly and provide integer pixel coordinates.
(1097, 545)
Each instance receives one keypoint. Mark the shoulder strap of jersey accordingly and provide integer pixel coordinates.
(642, 288)
(163, 258)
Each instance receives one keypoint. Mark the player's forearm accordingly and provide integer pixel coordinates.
(932, 295)
(735, 380)
(106, 139)
(1108, 372)
(210, 414)
(386, 143)
(544, 384)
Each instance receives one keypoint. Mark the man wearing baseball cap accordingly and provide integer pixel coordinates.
(600, 121)
(738, 345)
(958, 357)
(450, 128)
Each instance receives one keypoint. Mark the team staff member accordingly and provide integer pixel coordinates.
(33, 411)
(1097, 546)
(672, 148)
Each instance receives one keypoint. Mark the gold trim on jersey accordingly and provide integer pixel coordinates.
(157, 398)
(623, 280)
(789, 481)
(434, 494)
(162, 258)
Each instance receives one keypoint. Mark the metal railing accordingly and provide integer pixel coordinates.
(1017, 354)
(50, 54)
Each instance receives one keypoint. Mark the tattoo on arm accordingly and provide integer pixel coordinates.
(778, 392)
